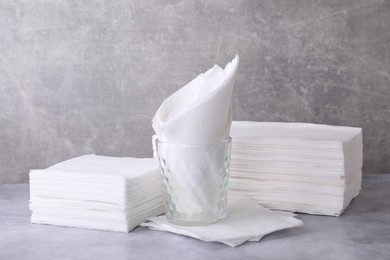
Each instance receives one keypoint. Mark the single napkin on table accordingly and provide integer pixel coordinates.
(246, 221)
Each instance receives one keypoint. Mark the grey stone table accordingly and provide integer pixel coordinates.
(362, 232)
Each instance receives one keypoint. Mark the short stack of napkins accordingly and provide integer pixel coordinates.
(299, 167)
(97, 192)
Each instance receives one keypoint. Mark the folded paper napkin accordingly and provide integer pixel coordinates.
(96, 192)
(246, 221)
(200, 112)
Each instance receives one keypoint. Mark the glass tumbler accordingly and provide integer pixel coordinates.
(195, 179)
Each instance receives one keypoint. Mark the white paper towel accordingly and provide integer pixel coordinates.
(200, 112)
(246, 221)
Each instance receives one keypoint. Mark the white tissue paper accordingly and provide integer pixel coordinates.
(96, 192)
(300, 167)
(246, 221)
(198, 114)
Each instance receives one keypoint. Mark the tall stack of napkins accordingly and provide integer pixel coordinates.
(96, 192)
(300, 167)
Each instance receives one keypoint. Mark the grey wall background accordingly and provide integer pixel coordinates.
(82, 77)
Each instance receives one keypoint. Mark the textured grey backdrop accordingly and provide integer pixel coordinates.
(82, 77)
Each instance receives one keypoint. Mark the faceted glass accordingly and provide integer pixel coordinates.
(195, 179)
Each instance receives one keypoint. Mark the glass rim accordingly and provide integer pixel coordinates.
(224, 141)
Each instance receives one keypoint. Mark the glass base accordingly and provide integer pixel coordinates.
(195, 181)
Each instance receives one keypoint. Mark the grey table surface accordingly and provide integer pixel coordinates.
(362, 232)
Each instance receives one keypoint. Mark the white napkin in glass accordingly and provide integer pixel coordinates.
(200, 112)
(197, 114)
(246, 221)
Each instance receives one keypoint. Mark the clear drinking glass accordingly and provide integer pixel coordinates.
(195, 181)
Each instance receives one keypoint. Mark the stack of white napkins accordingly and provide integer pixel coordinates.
(300, 167)
(96, 192)
(246, 221)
